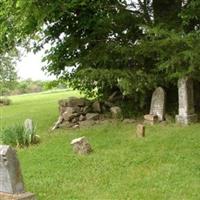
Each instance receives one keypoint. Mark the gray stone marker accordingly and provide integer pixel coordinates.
(158, 103)
(28, 125)
(11, 181)
(186, 113)
(10, 174)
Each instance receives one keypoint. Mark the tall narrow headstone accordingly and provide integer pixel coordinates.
(11, 181)
(186, 111)
(28, 125)
(158, 103)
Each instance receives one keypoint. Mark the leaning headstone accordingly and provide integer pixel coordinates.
(186, 113)
(158, 103)
(28, 125)
(140, 130)
(11, 181)
(81, 146)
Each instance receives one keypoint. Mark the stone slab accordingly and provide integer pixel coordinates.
(150, 117)
(23, 196)
(11, 180)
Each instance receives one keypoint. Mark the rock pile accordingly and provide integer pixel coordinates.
(75, 112)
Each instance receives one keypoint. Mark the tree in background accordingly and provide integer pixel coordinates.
(8, 75)
(104, 45)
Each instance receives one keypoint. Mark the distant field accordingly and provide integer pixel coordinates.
(41, 107)
(164, 165)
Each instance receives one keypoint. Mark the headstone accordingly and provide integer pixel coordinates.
(11, 181)
(10, 173)
(81, 146)
(158, 103)
(140, 132)
(186, 113)
(28, 125)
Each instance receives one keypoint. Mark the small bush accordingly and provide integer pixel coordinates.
(18, 136)
(5, 101)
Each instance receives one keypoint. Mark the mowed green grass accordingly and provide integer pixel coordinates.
(163, 165)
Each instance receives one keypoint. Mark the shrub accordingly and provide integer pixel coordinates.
(5, 101)
(18, 136)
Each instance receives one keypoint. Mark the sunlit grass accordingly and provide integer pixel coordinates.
(163, 165)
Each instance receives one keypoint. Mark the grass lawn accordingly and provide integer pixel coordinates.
(164, 165)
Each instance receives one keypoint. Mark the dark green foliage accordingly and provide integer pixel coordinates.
(100, 45)
(8, 75)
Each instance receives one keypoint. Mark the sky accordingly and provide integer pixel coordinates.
(30, 67)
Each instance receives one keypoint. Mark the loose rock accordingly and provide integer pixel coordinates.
(81, 146)
(82, 118)
(69, 114)
(92, 116)
(96, 107)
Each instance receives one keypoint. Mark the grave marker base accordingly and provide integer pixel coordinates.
(189, 119)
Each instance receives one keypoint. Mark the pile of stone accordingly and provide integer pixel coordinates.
(75, 112)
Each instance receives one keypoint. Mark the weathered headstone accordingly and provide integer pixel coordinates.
(81, 146)
(28, 125)
(11, 181)
(158, 103)
(186, 113)
(140, 130)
